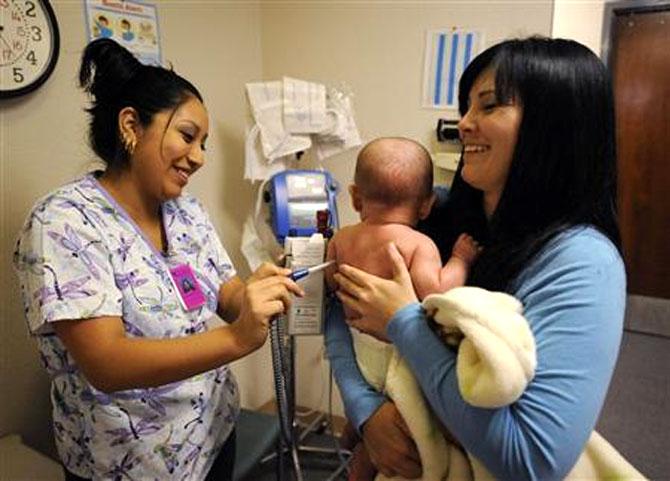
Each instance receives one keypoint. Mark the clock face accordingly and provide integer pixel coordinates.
(28, 45)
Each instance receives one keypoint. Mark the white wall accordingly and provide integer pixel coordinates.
(376, 49)
(581, 21)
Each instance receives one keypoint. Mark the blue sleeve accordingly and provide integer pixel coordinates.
(574, 298)
(360, 399)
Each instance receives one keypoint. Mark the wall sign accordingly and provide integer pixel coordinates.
(448, 52)
(131, 23)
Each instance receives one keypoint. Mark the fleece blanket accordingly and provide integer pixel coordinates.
(496, 360)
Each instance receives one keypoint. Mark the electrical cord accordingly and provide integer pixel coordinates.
(280, 372)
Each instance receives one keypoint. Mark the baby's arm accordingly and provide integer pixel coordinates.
(427, 272)
(425, 268)
(455, 271)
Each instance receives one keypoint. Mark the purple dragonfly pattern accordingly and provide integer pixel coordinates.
(81, 256)
(73, 243)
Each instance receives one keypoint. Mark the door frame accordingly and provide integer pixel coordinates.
(612, 9)
(643, 314)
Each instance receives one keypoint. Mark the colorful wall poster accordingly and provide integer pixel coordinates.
(132, 23)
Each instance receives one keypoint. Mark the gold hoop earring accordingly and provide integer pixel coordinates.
(128, 144)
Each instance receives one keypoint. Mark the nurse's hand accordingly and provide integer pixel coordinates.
(390, 445)
(231, 293)
(267, 269)
(262, 300)
(374, 298)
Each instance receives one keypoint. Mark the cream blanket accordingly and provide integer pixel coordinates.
(495, 362)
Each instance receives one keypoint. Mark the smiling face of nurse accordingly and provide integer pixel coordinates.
(168, 151)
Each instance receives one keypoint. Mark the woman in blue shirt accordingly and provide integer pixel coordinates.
(537, 186)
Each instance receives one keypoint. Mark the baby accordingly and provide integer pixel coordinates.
(392, 191)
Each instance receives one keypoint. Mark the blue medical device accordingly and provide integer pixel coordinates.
(301, 203)
(295, 197)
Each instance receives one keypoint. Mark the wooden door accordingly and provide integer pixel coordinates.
(640, 63)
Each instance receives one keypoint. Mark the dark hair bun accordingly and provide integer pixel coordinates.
(105, 68)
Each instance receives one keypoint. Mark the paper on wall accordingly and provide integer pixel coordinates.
(341, 133)
(255, 165)
(281, 110)
(266, 99)
(304, 106)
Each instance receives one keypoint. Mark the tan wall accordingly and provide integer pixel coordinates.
(376, 49)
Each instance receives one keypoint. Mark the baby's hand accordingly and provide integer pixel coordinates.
(466, 248)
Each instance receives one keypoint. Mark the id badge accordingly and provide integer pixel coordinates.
(188, 288)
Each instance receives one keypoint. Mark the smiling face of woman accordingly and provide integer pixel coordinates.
(488, 131)
(171, 149)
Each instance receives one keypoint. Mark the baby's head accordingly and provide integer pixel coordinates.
(394, 172)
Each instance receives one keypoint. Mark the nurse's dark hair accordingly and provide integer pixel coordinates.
(563, 170)
(116, 79)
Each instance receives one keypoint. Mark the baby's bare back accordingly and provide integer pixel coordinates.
(364, 246)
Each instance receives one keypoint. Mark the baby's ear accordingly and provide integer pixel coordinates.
(356, 201)
(427, 206)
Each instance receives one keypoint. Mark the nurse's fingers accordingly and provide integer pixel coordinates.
(267, 269)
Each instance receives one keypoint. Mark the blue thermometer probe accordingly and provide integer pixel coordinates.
(300, 273)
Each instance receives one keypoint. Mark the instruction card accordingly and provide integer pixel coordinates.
(306, 315)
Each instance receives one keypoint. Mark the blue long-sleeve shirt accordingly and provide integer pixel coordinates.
(573, 293)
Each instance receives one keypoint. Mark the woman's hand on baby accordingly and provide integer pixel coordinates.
(389, 443)
(267, 293)
(374, 298)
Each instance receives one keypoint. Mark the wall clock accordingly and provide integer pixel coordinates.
(29, 45)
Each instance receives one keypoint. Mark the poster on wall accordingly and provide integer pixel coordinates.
(448, 52)
(131, 23)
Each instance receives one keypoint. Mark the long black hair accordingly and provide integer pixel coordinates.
(116, 79)
(563, 171)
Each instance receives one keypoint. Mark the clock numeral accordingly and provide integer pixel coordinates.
(37, 33)
(15, 16)
(18, 75)
(31, 57)
(7, 54)
(30, 9)
(20, 31)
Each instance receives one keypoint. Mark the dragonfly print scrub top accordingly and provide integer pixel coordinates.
(80, 256)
